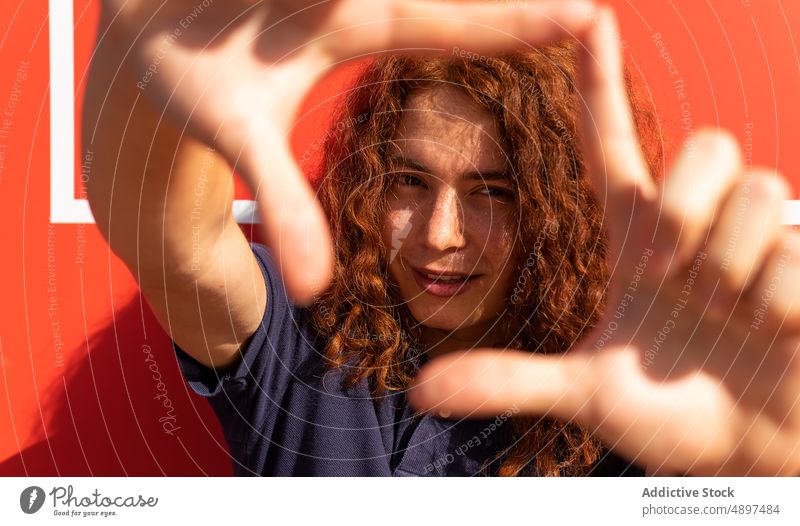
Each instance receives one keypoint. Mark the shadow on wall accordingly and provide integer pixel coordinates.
(123, 409)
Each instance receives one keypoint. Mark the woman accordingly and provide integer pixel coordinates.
(461, 218)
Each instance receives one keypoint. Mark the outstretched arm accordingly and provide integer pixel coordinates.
(162, 199)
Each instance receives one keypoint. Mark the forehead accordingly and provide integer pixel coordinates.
(444, 127)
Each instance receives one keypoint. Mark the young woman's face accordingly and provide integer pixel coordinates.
(450, 228)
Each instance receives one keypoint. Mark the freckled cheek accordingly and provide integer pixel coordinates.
(493, 235)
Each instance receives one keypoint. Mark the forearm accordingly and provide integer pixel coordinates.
(160, 197)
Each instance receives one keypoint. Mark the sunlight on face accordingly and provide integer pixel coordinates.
(450, 226)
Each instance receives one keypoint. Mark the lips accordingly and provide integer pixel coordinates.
(443, 284)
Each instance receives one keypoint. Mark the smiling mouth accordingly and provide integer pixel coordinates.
(444, 285)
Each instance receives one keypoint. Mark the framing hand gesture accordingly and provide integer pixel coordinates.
(235, 74)
(694, 366)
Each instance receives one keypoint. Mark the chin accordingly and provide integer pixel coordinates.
(435, 315)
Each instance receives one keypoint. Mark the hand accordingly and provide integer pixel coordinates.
(694, 366)
(235, 73)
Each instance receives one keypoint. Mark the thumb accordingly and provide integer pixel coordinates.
(294, 224)
(486, 382)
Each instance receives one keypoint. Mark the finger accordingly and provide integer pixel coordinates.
(489, 382)
(473, 26)
(611, 143)
(612, 152)
(743, 236)
(484, 27)
(775, 294)
(700, 181)
(292, 219)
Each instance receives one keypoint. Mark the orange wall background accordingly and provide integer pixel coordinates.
(77, 396)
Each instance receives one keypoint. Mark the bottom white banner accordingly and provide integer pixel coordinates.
(400, 501)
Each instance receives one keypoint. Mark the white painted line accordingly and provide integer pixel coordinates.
(64, 207)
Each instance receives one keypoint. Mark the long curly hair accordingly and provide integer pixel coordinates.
(559, 253)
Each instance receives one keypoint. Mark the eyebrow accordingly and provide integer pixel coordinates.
(491, 175)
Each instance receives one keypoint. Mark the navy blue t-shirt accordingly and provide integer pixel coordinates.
(283, 413)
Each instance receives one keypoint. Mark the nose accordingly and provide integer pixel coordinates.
(445, 228)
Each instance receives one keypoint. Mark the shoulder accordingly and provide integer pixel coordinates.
(283, 340)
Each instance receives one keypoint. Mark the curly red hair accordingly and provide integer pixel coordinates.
(560, 250)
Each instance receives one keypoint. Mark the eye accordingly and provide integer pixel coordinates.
(408, 179)
(497, 192)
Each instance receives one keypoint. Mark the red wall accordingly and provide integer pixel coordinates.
(76, 392)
